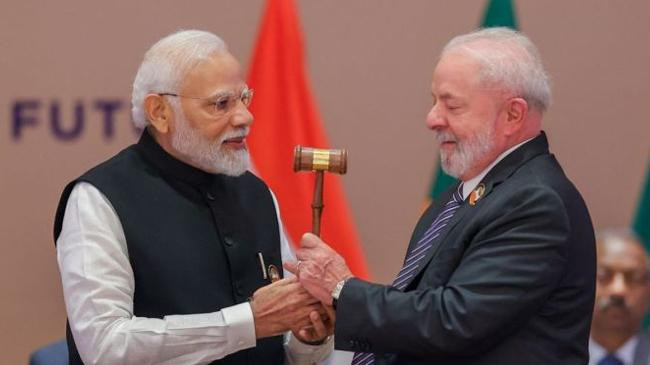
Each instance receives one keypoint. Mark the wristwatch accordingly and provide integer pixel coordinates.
(336, 292)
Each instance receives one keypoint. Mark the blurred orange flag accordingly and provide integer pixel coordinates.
(285, 116)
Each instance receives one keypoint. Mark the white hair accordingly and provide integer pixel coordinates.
(467, 152)
(610, 236)
(167, 62)
(508, 59)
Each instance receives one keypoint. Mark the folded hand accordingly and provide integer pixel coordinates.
(282, 306)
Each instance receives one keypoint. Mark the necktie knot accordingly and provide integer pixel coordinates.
(610, 359)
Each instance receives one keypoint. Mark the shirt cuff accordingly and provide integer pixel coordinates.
(241, 326)
(298, 347)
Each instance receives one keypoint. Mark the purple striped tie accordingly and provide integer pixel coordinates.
(414, 258)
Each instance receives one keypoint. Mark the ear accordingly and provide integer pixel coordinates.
(158, 112)
(516, 112)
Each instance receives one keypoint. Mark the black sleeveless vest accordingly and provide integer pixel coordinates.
(193, 238)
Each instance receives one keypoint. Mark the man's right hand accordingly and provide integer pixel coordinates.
(281, 306)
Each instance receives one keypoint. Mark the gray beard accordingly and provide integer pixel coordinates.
(466, 153)
(210, 156)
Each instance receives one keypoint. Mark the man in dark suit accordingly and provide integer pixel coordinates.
(622, 299)
(501, 269)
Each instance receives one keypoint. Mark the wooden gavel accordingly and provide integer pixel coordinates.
(319, 161)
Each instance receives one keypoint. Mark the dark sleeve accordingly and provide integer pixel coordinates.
(509, 268)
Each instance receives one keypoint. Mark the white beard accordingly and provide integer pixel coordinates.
(210, 156)
(465, 153)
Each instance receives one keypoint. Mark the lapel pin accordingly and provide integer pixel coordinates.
(476, 194)
(274, 274)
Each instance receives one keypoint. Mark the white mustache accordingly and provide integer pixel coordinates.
(445, 137)
(240, 133)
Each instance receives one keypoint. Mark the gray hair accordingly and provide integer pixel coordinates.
(508, 59)
(617, 234)
(612, 235)
(167, 62)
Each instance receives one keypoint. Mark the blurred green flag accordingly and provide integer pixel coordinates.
(499, 13)
(642, 221)
(641, 224)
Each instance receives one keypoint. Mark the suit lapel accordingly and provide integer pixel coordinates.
(495, 176)
(437, 243)
(642, 351)
(428, 216)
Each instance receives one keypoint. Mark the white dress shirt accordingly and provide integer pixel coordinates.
(98, 286)
(624, 353)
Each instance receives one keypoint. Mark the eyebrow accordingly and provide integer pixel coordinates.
(220, 94)
(446, 96)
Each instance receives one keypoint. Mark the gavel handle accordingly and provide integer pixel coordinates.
(317, 203)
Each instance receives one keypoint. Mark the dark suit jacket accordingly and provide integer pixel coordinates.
(510, 280)
(642, 351)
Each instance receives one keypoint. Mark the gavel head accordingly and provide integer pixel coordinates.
(316, 159)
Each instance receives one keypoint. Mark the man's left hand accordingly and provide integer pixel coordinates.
(319, 268)
(320, 327)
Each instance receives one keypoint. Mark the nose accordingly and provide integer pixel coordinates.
(242, 117)
(435, 119)
(618, 285)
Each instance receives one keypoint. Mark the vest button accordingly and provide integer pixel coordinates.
(228, 241)
(209, 196)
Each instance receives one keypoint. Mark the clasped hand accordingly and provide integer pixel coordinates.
(319, 268)
(302, 304)
(285, 305)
